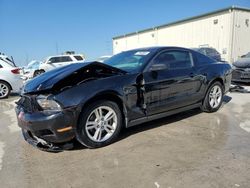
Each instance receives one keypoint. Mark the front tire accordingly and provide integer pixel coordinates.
(4, 90)
(214, 98)
(100, 124)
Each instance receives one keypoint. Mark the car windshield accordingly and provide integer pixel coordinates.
(130, 61)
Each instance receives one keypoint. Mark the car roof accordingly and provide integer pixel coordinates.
(65, 55)
(159, 48)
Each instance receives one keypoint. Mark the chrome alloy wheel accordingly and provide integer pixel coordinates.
(215, 96)
(101, 124)
(4, 90)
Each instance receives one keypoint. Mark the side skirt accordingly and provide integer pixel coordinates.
(161, 115)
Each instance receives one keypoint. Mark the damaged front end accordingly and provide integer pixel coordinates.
(63, 78)
(44, 145)
(47, 122)
(43, 127)
(140, 83)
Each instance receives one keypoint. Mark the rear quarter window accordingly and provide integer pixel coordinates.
(201, 59)
(78, 58)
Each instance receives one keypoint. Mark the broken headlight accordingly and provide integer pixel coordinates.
(48, 104)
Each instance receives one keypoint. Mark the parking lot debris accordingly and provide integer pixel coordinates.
(45, 146)
(238, 88)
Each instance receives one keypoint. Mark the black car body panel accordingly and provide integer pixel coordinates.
(143, 95)
(45, 125)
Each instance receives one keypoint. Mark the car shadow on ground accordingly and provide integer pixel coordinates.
(125, 133)
(15, 94)
(226, 99)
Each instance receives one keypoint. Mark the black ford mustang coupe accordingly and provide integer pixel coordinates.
(93, 101)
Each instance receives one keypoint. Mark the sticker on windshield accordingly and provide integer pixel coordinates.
(142, 53)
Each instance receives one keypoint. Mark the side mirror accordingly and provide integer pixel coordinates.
(49, 62)
(158, 67)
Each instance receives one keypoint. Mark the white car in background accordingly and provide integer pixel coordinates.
(10, 78)
(29, 70)
(53, 62)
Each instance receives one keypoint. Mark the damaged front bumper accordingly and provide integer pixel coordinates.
(44, 145)
(46, 131)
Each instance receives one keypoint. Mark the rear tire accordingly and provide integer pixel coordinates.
(100, 124)
(214, 98)
(4, 90)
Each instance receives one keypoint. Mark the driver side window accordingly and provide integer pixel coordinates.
(174, 59)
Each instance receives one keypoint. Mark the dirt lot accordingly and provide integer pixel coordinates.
(191, 149)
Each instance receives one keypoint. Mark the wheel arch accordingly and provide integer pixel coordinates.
(110, 96)
(34, 73)
(217, 79)
(204, 106)
(7, 83)
(39, 70)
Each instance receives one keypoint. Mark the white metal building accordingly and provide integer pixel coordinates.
(227, 30)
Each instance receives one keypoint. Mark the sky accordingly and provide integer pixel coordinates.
(35, 29)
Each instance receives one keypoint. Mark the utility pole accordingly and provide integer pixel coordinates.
(56, 48)
(27, 58)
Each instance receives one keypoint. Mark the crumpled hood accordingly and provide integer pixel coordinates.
(242, 63)
(68, 76)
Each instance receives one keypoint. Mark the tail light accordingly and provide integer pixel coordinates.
(15, 71)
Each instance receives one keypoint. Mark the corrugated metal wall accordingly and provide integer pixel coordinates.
(213, 31)
(241, 37)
